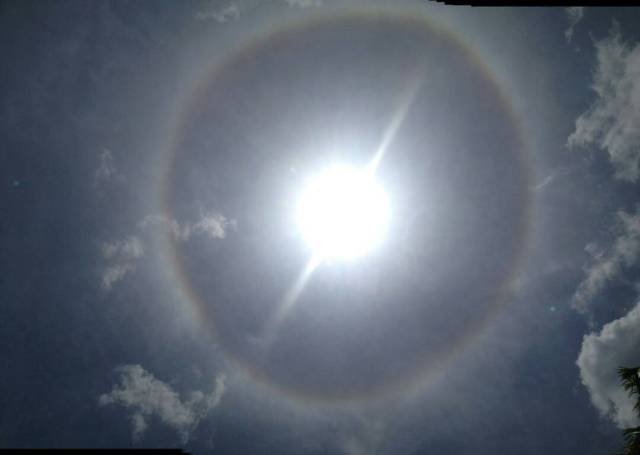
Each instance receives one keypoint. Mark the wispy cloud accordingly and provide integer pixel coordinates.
(114, 273)
(601, 355)
(211, 224)
(552, 177)
(146, 397)
(107, 171)
(121, 256)
(612, 123)
(574, 15)
(365, 438)
(607, 264)
(233, 10)
(305, 3)
(163, 222)
(129, 248)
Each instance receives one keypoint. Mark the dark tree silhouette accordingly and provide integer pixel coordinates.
(630, 378)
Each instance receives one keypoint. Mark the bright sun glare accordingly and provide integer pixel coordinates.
(343, 213)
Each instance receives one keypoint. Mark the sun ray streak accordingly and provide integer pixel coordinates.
(406, 99)
(289, 301)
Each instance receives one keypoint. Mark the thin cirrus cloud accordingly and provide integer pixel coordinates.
(608, 264)
(601, 355)
(612, 123)
(147, 398)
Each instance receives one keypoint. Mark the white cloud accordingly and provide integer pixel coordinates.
(212, 224)
(601, 355)
(607, 265)
(305, 3)
(574, 15)
(127, 249)
(544, 183)
(146, 397)
(612, 123)
(229, 12)
(122, 256)
(232, 11)
(114, 273)
(552, 177)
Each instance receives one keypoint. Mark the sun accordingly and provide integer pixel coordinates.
(342, 213)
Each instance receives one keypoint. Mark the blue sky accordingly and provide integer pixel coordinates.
(150, 159)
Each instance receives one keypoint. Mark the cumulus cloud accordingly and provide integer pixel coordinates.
(612, 123)
(574, 15)
(601, 355)
(221, 15)
(121, 256)
(146, 397)
(606, 265)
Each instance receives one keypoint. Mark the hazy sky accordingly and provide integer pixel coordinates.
(156, 291)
